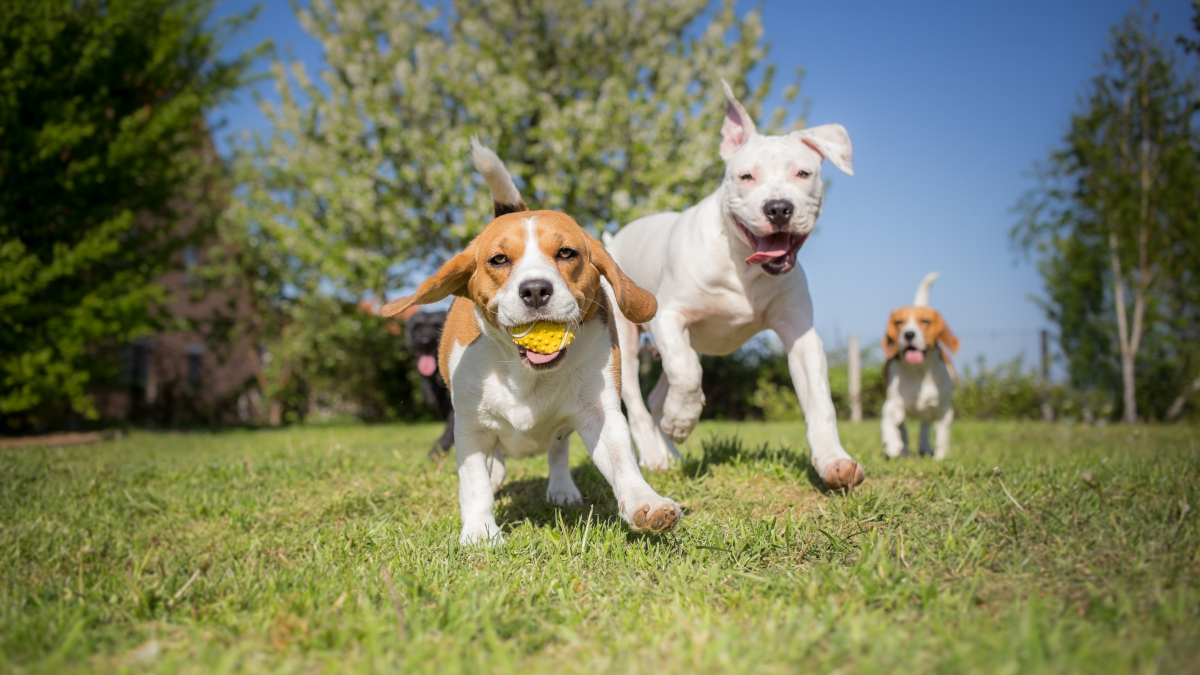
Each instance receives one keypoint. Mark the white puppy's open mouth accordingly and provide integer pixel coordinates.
(775, 252)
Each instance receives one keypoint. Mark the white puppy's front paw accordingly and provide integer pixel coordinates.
(655, 514)
(564, 495)
(481, 533)
(680, 417)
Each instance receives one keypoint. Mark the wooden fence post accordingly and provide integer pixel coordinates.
(855, 379)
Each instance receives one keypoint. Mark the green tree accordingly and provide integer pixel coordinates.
(1114, 224)
(102, 142)
(607, 110)
(1187, 288)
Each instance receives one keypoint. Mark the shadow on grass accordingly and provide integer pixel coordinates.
(718, 450)
(525, 500)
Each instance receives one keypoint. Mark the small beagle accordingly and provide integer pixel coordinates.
(529, 269)
(920, 377)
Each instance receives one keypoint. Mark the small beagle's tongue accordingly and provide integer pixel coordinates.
(770, 247)
(426, 364)
(914, 356)
(538, 359)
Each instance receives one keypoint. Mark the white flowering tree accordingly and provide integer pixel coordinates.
(606, 110)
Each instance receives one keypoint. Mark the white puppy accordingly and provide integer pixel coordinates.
(724, 270)
(920, 377)
(513, 401)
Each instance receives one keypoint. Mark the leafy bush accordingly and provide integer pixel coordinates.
(1007, 391)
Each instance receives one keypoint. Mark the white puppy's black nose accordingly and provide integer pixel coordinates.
(909, 335)
(535, 292)
(779, 211)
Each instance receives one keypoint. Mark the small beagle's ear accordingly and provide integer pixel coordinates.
(832, 142)
(451, 279)
(738, 126)
(637, 304)
(945, 336)
(891, 339)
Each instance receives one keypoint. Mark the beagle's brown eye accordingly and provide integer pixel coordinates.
(924, 322)
(566, 254)
(498, 260)
(803, 174)
(747, 177)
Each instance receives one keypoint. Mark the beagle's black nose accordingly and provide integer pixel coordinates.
(535, 292)
(908, 334)
(779, 212)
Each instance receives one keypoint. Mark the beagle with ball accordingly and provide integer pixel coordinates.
(920, 377)
(530, 354)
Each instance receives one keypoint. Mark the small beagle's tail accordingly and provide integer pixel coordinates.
(505, 197)
(922, 299)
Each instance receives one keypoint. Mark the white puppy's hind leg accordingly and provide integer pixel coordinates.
(476, 498)
(562, 489)
(667, 452)
(891, 422)
(642, 425)
(943, 434)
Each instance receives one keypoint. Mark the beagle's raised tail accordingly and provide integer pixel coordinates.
(922, 298)
(505, 196)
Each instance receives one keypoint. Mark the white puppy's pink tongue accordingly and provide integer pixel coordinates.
(538, 359)
(426, 364)
(770, 247)
(914, 356)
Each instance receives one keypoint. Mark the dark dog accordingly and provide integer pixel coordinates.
(423, 330)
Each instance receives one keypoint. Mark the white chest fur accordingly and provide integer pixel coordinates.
(525, 409)
(925, 389)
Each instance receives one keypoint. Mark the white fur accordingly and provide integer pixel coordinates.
(923, 390)
(921, 299)
(504, 191)
(710, 301)
(507, 409)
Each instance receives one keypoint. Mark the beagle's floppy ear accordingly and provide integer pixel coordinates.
(891, 340)
(832, 142)
(944, 335)
(636, 303)
(451, 279)
(738, 126)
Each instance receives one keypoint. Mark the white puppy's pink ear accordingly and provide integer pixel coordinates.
(832, 142)
(737, 128)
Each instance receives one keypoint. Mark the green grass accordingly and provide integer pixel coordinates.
(929, 567)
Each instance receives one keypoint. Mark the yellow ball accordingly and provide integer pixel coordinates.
(542, 337)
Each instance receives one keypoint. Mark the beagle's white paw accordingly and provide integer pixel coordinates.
(655, 515)
(481, 533)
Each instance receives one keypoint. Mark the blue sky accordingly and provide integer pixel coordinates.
(948, 105)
